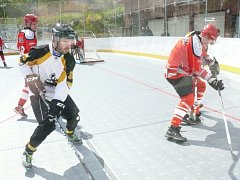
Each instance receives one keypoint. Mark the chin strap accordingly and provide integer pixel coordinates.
(55, 41)
(55, 53)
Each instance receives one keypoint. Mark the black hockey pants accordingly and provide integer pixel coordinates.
(45, 127)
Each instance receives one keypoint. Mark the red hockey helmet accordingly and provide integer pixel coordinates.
(211, 31)
(29, 18)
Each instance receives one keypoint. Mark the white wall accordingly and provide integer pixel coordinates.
(147, 44)
(226, 50)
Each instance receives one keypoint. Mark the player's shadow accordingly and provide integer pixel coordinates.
(91, 159)
(74, 173)
(91, 169)
(218, 139)
(77, 172)
(27, 120)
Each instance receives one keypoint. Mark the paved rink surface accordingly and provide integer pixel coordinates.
(126, 106)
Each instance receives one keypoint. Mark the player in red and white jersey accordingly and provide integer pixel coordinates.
(194, 117)
(26, 40)
(184, 71)
(2, 45)
(78, 49)
(27, 36)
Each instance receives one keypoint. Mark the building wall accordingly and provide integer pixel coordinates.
(154, 10)
(179, 26)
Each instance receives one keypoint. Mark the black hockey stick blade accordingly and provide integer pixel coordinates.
(92, 61)
(6, 67)
(234, 156)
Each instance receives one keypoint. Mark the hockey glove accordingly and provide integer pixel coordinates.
(56, 106)
(216, 84)
(214, 67)
(34, 83)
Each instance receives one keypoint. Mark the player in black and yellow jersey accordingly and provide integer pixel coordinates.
(49, 74)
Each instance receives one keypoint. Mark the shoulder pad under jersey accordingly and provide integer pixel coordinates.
(196, 46)
(28, 33)
(192, 33)
(37, 52)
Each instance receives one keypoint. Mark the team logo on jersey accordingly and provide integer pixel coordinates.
(52, 81)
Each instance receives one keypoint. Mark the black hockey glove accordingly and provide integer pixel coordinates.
(216, 84)
(214, 67)
(34, 83)
(56, 106)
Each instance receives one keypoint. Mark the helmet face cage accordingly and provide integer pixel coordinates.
(214, 41)
(61, 31)
(30, 18)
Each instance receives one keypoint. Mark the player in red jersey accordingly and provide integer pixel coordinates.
(26, 40)
(184, 72)
(2, 45)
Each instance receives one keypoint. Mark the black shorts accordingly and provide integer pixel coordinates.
(183, 86)
(40, 109)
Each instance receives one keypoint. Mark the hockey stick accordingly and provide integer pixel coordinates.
(77, 153)
(195, 100)
(12, 49)
(234, 157)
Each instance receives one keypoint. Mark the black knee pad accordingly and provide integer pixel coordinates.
(47, 127)
(41, 132)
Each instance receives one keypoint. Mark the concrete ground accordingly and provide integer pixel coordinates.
(126, 106)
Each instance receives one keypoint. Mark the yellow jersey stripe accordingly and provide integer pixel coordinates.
(40, 60)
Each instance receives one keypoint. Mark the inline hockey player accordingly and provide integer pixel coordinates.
(194, 116)
(26, 40)
(49, 74)
(2, 45)
(183, 71)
